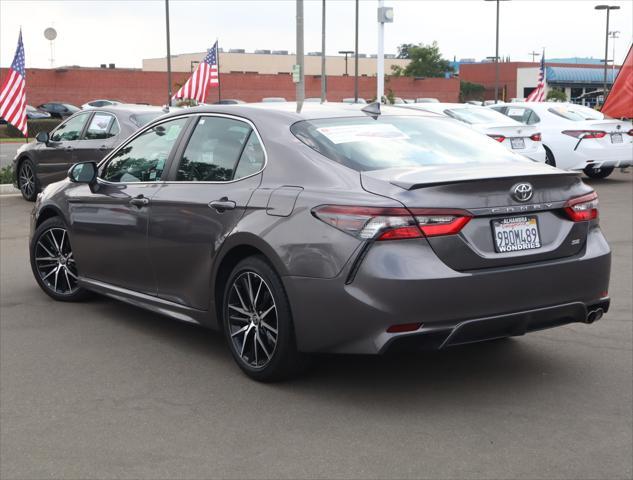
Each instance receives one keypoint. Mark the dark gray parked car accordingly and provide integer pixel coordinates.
(87, 135)
(333, 230)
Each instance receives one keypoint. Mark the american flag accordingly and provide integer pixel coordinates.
(12, 92)
(206, 74)
(538, 94)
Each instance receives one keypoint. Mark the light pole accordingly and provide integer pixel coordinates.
(497, 51)
(346, 53)
(323, 77)
(168, 53)
(608, 8)
(300, 90)
(356, 57)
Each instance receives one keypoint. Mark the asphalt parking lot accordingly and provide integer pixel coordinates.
(104, 390)
(7, 153)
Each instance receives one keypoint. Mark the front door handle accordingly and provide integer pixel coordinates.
(103, 147)
(222, 205)
(139, 201)
(69, 147)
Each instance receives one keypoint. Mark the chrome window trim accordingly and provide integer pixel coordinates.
(170, 182)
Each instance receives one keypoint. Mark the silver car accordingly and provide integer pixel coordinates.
(343, 228)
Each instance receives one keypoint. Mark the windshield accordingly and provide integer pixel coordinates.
(476, 116)
(367, 144)
(140, 119)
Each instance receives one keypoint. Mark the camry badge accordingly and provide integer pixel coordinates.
(522, 192)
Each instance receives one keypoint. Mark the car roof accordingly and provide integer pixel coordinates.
(286, 111)
(128, 108)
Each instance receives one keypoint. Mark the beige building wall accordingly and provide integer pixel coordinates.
(267, 63)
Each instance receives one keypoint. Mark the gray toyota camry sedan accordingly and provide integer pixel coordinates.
(342, 228)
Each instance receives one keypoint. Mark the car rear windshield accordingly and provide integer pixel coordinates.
(475, 115)
(366, 144)
(140, 119)
(567, 113)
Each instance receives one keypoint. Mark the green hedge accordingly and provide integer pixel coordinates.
(34, 126)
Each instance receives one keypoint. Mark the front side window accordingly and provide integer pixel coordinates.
(362, 143)
(143, 159)
(214, 150)
(102, 125)
(71, 129)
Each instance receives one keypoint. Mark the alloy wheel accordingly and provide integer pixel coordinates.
(55, 262)
(252, 319)
(27, 180)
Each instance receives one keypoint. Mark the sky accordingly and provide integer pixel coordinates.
(91, 32)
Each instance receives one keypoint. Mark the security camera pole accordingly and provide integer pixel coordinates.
(297, 73)
(385, 15)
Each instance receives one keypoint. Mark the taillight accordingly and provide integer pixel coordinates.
(585, 133)
(536, 137)
(440, 222)
(581, 209)
(498, 138)
(630, 132)
(391, 223)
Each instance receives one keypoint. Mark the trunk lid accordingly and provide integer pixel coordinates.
(485, 190)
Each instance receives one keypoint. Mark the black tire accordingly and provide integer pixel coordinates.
(549, 157)
(603, 172)
(260, 353)
(52, 262)
(27, 180)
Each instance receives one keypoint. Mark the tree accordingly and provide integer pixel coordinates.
(556, 95)
(470, 91)
(426, 61)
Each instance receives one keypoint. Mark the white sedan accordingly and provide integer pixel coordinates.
(513, 135)
(575, 138)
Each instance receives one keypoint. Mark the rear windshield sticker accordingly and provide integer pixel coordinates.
(359, 133)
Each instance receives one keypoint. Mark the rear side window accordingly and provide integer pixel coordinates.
(389, 141)
(219, 150)
(102, 125)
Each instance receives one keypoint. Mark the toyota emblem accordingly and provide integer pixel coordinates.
(522, 192)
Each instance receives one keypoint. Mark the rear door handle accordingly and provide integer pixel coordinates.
(139, 201)
(103, 147)
(69, 147)
(223, 204)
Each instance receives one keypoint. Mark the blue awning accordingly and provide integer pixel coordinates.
(580, 76)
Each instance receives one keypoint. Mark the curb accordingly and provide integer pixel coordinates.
(8, 189)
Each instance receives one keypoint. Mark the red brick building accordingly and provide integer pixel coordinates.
(79, 85)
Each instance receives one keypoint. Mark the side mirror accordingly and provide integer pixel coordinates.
(42, 137)
(85, 172)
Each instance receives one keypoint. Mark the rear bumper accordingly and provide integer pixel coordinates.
(599, 156)
(405, 282)
(501, 326)
(538, 155)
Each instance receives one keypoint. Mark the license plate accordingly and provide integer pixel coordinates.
(515, 234)
(616, 138)
(517, 143)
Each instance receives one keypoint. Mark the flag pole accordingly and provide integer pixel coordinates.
(217, 52)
